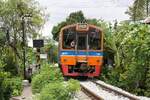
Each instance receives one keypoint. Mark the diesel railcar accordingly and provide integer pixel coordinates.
(81, 50)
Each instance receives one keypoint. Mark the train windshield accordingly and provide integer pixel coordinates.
(94, 39)
(69, 38)
(82, 41)
(90, 40)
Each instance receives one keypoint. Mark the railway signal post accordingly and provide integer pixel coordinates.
(38, 44)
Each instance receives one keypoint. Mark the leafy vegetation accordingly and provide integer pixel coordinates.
(16, 85)
(139, 10)
(131, 58)
(57, 91)
(8, 84)
(51, 48)
(46, 75)
(16, 16)
(4, 88)
(49, 83)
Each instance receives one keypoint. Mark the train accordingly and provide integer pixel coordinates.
(80, 50)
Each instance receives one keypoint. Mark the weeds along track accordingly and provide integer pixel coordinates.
(98, 90)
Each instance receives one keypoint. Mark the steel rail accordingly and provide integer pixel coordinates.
(123, 93)
(90, 94)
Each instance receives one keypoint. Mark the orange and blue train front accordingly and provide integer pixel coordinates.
(81, 63)
(81, 50)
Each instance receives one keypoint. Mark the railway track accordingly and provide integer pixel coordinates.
(98, 90)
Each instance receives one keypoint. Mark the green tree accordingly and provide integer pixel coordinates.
(15, 13)
(51, 48)
(139, 10)
(5, 87)
(132, 46)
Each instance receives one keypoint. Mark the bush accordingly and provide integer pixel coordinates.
(59, 91)
(5, 87)
(47, 75)
(16, 85)
(73, 86)
(8, 85)
(50, 86)
(54, 91)
(38, 82)
(10, 65)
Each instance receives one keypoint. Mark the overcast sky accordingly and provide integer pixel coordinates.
(108, 10)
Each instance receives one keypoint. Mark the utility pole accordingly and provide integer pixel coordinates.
(23, 46)
(24, 42)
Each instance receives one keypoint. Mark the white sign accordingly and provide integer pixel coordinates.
(43, 56)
